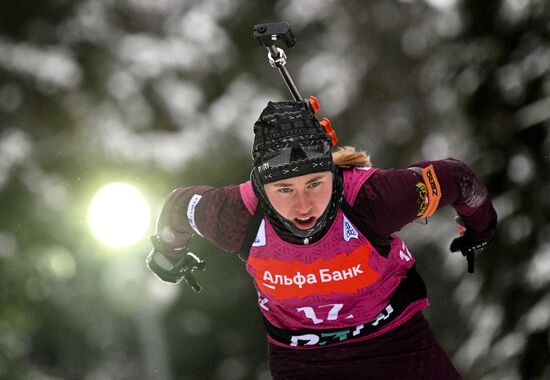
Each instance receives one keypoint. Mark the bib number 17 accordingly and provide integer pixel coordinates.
(331, 316)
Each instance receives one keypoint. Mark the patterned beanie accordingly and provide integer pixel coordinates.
(289, 141)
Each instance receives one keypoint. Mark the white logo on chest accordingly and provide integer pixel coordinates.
(260, 240)
(349, 230)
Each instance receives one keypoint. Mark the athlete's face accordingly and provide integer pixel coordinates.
(303, 199)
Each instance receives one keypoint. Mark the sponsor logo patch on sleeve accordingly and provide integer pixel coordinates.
(191, 212)
(422, 199)
(433, 190)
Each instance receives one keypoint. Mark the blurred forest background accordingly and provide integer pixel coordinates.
(164, 93)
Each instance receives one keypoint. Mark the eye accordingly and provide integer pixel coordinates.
(314, 184)
(285, 190)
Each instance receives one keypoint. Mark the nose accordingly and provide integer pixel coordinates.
(302, 203)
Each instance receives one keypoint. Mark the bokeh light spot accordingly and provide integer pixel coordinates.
(119, 215)
(61, 264)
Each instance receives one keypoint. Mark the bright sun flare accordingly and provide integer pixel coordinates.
(118, 214)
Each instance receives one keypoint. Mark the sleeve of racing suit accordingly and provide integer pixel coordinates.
(392, 198)
(217, 214)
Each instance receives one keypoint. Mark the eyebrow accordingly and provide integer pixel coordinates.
(284, 184)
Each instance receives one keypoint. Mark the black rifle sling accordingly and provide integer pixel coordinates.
(374, 238)
(362, 226)
(251, 233)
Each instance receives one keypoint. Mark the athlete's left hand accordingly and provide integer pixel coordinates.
(467, 245)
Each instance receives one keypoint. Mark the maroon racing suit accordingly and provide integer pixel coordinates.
(386, 202)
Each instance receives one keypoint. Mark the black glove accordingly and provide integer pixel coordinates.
(173, 264)
(467, 245)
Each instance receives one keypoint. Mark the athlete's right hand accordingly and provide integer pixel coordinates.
(173, 264)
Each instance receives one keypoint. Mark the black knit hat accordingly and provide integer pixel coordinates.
(289, 142)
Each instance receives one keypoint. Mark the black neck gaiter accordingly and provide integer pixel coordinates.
(287, 230)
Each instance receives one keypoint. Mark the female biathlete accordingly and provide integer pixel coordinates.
(337, 289)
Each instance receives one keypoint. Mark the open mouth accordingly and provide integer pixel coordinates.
(305, 222)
